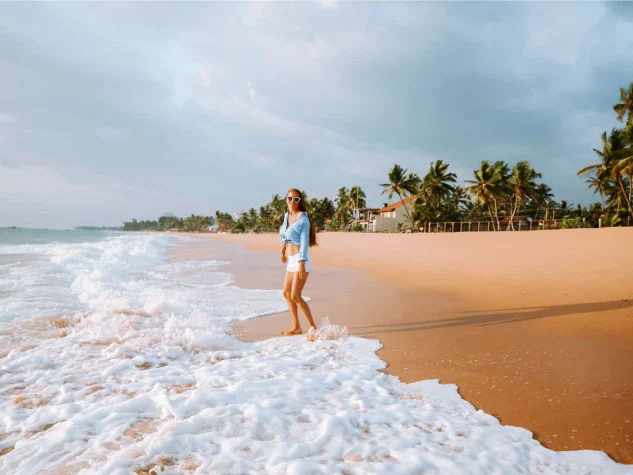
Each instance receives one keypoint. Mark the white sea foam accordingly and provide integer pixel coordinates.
(147, 376)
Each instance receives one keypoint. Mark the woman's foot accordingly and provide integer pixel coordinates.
(292, 331)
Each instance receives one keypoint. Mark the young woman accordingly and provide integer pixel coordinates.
(297, 236)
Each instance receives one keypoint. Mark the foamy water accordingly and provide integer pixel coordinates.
(113, 359)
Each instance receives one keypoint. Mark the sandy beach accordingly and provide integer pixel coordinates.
(535, 328)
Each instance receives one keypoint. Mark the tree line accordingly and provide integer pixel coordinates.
(612, 176)
(193, 223)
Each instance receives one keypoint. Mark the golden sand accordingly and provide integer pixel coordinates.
(535, 328)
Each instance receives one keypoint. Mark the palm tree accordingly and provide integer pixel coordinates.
(542, 198)
(264, 220)
(278, 208)
(343, 207)
(614, 164)
(625, 106)
(563, 208)
(624, 166)
(437, 184)
(489, 186)
(327, 208)
(522, 185)
(599, 182)
(403, 185)
(252, 218)
(503, 173)
(461, 199)
(357, 198)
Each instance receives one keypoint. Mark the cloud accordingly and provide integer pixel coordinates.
(7, 118)
(181, 100)
(268, 160)
(213, 77)
(58, 202)
(251, 91)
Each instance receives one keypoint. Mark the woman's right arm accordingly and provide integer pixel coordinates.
(283, 243)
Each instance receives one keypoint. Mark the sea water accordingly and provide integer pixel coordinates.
(114, 358)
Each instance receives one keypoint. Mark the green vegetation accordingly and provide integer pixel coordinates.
(98, 228)
(193, 223)
(612, 177)
(404, 185)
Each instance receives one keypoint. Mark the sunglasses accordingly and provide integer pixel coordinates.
(296, 198)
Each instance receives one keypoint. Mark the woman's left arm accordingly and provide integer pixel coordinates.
(304, 239)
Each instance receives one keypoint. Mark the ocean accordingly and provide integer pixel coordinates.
(114, 358)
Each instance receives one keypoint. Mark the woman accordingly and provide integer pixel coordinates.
(297, 235)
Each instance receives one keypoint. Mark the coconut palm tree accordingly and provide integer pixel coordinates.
(357, 198)
(523, 186)
(437, 184)
(461, 200)
(327, 208)
(563, 208)
(325, 212)
(252, 218)
(599, 182)
(625, 106)
(277, 207)
(614, 162)
(403, 185)
(489, 187)
(542, 198)
(502, 201)
(264, 220)
(624, 166)
(343, 214)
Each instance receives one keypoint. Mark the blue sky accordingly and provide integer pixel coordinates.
(120, 110)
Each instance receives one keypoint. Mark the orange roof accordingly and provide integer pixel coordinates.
(393, 206)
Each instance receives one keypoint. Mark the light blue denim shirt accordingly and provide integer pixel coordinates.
(297, 233)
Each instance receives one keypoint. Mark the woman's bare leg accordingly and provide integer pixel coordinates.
(295, 295)
(292, 305)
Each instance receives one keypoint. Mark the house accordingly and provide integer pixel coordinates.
(388, 217)
(364, 217)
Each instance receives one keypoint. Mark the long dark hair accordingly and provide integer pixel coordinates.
(303, 207)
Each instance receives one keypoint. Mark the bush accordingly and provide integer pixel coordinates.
(610, 220)
(572, 223)
(237, 228)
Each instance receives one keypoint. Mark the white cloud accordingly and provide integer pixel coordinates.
(268, 160)
(251, 91)
(336, 94)
(6, 118)
(213, 76)
(36, 196)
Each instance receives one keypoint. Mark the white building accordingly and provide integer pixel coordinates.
(365, 218)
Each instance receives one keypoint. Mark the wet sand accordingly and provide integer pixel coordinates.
(536, 328)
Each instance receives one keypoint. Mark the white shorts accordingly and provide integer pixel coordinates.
(293, 263)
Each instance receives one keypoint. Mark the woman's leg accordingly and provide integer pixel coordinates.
(292, 306)
(295, 295)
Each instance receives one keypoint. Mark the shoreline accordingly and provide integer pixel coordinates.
(560, 366)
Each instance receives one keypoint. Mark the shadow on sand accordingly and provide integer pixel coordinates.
(495, 317)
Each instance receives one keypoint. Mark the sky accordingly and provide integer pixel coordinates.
(110, 111)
